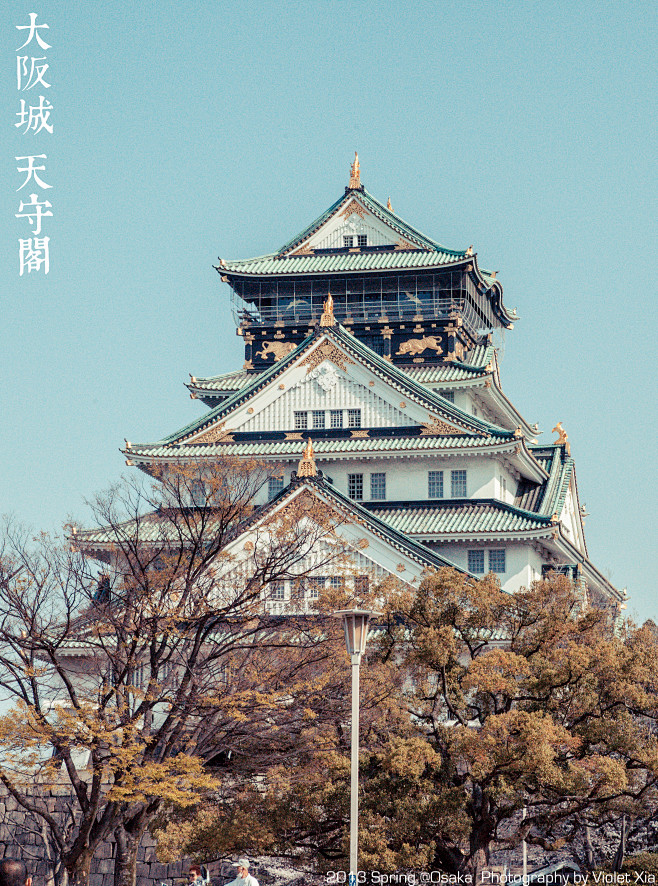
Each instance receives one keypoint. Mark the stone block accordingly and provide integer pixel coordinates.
(159, 871)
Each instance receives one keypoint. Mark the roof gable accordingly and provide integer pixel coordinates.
(331, 357)
(358, 212)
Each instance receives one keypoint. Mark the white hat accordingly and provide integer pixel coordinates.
(241, 863)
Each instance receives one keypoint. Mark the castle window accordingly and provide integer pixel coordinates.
(458, 484)
(497, 560)
(301, 421)
(435, 484)
(355, 486)
(315, 584)
(361, 584)
(336, 418)
(278, 590)
(378, 486)
(476, 562)
(448, 395)
(353, 418)
(362, 240)
(336, 581)
(274, 487)
(318, 418)
(348, 242)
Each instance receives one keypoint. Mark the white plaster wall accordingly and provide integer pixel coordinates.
(523, 563)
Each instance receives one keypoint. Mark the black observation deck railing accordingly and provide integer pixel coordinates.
(426, 297)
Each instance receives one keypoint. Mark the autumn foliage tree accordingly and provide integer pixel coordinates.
(142, 650)
(496, 703)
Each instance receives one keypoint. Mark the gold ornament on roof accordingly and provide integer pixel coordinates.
(279, 349)
(327, 318)
(435, 427)
(326, 351)
(388, 205)
(562, 439)
(353, 206)
(355, 173)
(469, 251)
(306, 467)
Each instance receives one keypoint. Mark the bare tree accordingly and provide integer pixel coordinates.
(144, 649)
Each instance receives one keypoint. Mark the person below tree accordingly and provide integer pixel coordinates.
(244, 878)
(14, 873)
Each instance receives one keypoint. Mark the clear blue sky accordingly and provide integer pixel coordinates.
(187, 130)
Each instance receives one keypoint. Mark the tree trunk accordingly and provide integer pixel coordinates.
(621, 849)
(125, 862)
(78, 872)
(589, 849)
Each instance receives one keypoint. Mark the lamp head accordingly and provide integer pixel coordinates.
(355, 623)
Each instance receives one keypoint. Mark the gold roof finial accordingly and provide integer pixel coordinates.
(469, 251)
(327, 318)
(388, 205)
(562, 438)
(355, 173)
(306, 467)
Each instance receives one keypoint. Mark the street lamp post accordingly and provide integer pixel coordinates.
(355, 623)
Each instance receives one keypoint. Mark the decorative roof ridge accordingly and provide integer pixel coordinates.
(561, 465)
(198, 380)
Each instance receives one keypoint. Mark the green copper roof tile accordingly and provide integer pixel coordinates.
(292, 449)
(455, 518)
(338, 263)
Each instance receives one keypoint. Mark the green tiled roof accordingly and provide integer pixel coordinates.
(467, 517)
(229, 381)
(292, 449)
(339, 263)
(356, 348)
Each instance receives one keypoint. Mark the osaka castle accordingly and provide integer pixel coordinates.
(371, 378)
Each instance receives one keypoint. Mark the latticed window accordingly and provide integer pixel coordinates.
(458, 484)
(497, 560)
(278, 590)
(448, 395)
(301, 421)
(435, 484)
(336, 581)
(362, 239)
(476, 562)
(361, 584)
(355, 486)
(318, 418)
(274, 486)
(378, 486)
(336, 418)
(315, 584)
(353, 418)
(348, 241)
